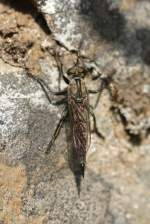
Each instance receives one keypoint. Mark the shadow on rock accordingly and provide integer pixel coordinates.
(108, 22)
(143, 35)
(111, 25)
(29, 7)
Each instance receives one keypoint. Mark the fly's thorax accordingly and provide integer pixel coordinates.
(77, 89)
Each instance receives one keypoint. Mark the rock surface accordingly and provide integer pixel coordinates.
(39, 188)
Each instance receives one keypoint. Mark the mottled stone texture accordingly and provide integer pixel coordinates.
(36, 188)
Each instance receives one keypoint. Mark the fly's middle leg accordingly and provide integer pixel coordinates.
(95, 128)
(46, 89)
(57, 131)
(99, 91)
(104, 84)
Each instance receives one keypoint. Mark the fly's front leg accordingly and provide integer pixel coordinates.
(60, 70)
(95, 125)
(113, 91)
(59, 67)
(57, 130)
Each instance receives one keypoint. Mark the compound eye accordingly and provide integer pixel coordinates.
(81, 70)
(71, 71)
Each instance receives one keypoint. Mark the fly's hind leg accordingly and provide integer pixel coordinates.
(46, 88)
(57, 130)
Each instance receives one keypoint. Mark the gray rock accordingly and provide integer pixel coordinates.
(40, 188)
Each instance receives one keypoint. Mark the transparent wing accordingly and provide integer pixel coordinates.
(80, 127)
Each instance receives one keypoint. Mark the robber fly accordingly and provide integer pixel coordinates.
(79, 111)
(77, 108)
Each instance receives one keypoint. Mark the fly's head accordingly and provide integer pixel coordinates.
(76, 71)
(76, 76)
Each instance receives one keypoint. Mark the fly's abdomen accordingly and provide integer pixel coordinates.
(79, 130)
(79, 120)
